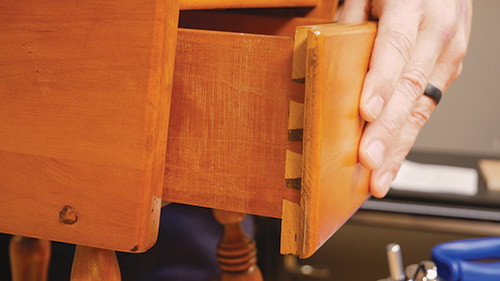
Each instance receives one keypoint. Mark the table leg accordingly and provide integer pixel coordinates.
(236, 251)
(29, 258)
(95, 264)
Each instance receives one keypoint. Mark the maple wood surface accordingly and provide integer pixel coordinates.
(227, 4)
(334, 184)
(228, 127)
(84, 106)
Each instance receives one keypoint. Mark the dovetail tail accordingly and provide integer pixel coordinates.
(295, 121)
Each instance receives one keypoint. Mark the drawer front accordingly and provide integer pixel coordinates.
(334, 59)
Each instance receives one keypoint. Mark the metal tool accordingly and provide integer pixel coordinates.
(423, 271)
(395, 261)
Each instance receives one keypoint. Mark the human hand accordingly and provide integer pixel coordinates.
(418, 42)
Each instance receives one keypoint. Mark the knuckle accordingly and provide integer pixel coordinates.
(400, 42)
(399, 156)
(456, 73)
(400, 152)
(391, 124)
(414, 81)
(383, 80)
(459, 50)
(444, 24)
(420, 116)
(447, 29)
(458, 59)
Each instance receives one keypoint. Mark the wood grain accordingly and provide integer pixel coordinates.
(84, 91)
(232, 4)
(334, 184)
(228, 127)
(290, 228)
(300, 53)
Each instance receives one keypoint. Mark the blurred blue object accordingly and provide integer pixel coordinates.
(468, 260)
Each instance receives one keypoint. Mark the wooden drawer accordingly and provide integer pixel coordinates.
(85, 101)
(244, 137)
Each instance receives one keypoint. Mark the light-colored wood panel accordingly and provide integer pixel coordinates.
(334, 184)
(300, 53)
(85, 94)
(293, 169)
(232, 4)
(229, 122)
(290, 228)
(296, 116)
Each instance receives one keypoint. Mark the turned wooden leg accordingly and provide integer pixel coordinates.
(92, 264)
(29, 258)
(236, 252)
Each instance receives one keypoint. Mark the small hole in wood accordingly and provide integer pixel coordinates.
(68, 215)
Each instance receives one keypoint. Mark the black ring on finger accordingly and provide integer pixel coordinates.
(434, 93)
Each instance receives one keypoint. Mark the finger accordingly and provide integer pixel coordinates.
(464, 14)
(379, 135)
(449, 64)
(355, 11)
(444, 74)
(383, 176)
(395, 41)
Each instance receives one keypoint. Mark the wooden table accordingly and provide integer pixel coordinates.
(90, 99)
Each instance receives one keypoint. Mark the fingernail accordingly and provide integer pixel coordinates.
(384, 183)
(375, 106)
(375, 151)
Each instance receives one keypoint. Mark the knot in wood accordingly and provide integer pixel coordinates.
(68, 215)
